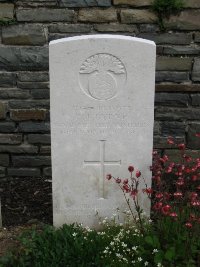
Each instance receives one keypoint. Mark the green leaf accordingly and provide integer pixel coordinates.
(170, 254)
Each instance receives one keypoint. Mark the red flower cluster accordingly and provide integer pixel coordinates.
(184, 188)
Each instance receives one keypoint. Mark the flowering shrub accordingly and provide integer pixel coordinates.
(175, 198)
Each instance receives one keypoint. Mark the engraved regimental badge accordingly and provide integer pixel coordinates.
(102, 76)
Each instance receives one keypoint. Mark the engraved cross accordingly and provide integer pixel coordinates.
(102, 163)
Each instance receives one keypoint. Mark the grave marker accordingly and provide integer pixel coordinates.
(102, 100)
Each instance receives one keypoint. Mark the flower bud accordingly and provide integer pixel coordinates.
(131, 169)
(138, 174)
(108, 176)
(118, 180)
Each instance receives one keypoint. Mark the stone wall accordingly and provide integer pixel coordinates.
(26, 28)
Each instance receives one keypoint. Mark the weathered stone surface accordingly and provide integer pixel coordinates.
(85, 3)
(175, 155)
(156, 129)
(11, 139)
(45, 150)
(4, 160)
(197, 37)
(14, 93)
(40, 93)
(181, 50)
(44, 15)
(173, 128)
(28, 114)
(23, 172)
(173, 64)
(27, 34)
(193, 141)
(7, 127)
(168, 38)
(23, 58)
(149, 28)
(47, 171)
(2, 172)
(33, 85)
(195, 98)
(31, 161)
(97, 15)
(39, 139)
(169, 99)
(176, 114)
(192, 3)
(38, 3)
(6, 11)
(137, 16)
(133, 2)
(161, 141)
(172, 76)
(34, 127)
(56, 36)
(166, 87)
(7, 79)
(196, 70)
(187, 20)
(115, 27)
(26, 104)
(28, 76)
(3, 110)
(69, 28)
(19, 149)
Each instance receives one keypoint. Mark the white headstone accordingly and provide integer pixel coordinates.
(102, 100)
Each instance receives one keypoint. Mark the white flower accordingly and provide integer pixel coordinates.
(155, 251)
(150, 221)
(112, 243)
(134, 248)
(146, 263)
(124, 245)
(74, 234)
(159, 265)
(139, 259)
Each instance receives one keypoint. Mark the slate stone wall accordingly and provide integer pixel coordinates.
(24, 80)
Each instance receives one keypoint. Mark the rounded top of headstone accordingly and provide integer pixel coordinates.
(102, 36)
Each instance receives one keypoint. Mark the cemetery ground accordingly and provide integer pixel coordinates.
(24, 203)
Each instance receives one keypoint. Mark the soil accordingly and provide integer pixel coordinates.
(24, 201)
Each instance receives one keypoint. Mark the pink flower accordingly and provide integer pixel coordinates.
(178, 194)
(197, 134)
(173, 214)
(180, 181)
(131, 169)
(194, 178)
(166, 209)
(170, 140)
(138, 174)
(158, 206)
(159, 195)
(148, 190)
(126, 188)
(125, 181)
(133, 193)
(188, 225)
(181, 146)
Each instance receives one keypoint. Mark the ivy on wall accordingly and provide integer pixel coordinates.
(166, 8)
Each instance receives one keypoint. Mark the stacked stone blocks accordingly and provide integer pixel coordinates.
(26, 28)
